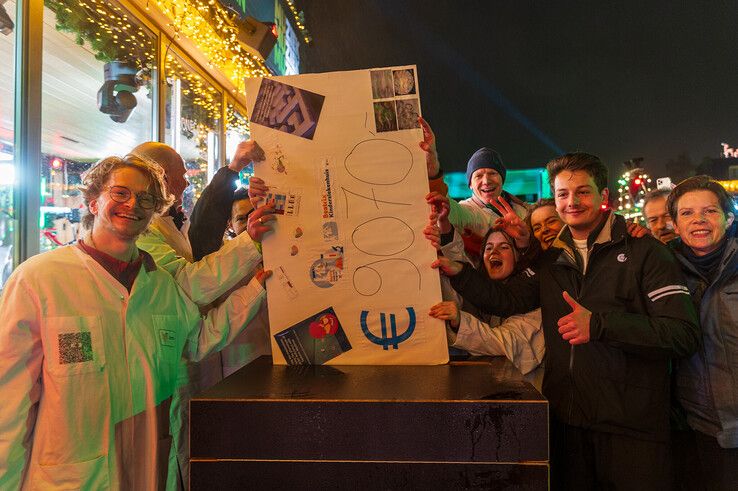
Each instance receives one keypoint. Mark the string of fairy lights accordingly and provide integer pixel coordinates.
(236, 121)
(195, 89)
(113, 34)
(299, 18)
(214, 31)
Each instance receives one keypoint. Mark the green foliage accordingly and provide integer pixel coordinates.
(82, 22)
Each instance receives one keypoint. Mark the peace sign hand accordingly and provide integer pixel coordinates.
(511, 223)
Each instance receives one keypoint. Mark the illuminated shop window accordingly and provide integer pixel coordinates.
(193, 108)
(7, 163)
(99, 66)
(237, 130)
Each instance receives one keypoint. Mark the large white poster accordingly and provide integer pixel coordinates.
(352, 281)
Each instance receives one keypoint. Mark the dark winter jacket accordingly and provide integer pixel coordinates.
(642, 315)
(707, 382)
(210, 216)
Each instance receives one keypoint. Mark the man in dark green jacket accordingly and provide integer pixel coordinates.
(615, 309)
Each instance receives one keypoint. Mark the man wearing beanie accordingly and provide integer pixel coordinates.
(473, 217)
(485, 174)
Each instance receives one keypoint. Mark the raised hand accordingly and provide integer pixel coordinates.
(262, 275)
(574, 327)
(246, 151)
(446, 266)
(440, 207)
(257, 191)
(637, 231)
(433, 234)
(511, 223)
(260, 222)
(428, 145)
(447, 311)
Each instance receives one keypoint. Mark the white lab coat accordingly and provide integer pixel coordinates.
(87, 370)
(207, 279)
(203, 281)
(518, 337)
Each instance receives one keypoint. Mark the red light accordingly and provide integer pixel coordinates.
(603, 206)
(638, 182)
(275, 32)
(56, 163)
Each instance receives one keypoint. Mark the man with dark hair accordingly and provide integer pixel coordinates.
(615, 310)
(657, 215)
(213, 209)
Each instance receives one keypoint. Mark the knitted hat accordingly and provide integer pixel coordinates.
(485, 158)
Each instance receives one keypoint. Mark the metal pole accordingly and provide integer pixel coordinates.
(28, 62)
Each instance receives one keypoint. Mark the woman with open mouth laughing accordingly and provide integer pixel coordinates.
(518, 337)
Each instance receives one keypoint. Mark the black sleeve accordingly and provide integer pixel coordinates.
(211, 213)
(518, 295)
(669, 327)
(447, 238)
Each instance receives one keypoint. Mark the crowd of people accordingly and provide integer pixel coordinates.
(630, 332)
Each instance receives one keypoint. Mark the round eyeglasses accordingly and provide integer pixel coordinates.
(121, 194)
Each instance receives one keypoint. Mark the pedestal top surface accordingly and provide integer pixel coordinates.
(490, 379)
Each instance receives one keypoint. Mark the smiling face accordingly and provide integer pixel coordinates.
(121, 221)
(240, 215)
(486, 184)
(499, 256)
(546, 225)
(700, 221)
(578, 201)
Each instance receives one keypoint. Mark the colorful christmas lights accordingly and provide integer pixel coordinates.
(632, 188)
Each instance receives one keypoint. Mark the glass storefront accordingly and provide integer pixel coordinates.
(7, 117)
(237, 130)
(95, 78)
(98, 73)
(193, 109)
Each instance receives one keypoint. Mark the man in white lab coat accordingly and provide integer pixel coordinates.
(90, 340)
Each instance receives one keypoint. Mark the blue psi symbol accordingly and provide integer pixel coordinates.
(393, 339)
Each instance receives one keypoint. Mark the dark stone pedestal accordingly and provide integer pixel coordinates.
(457, 426)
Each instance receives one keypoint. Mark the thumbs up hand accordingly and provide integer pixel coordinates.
(574, 327)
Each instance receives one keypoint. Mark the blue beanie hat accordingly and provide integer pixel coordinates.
(485, 158)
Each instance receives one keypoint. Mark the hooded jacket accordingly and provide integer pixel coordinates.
(642, 315)
(707, 382)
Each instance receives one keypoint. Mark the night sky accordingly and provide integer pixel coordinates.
(533, 79)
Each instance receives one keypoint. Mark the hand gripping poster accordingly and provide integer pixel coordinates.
(352, 282)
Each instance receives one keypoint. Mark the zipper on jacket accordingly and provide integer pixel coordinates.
(578, 296)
